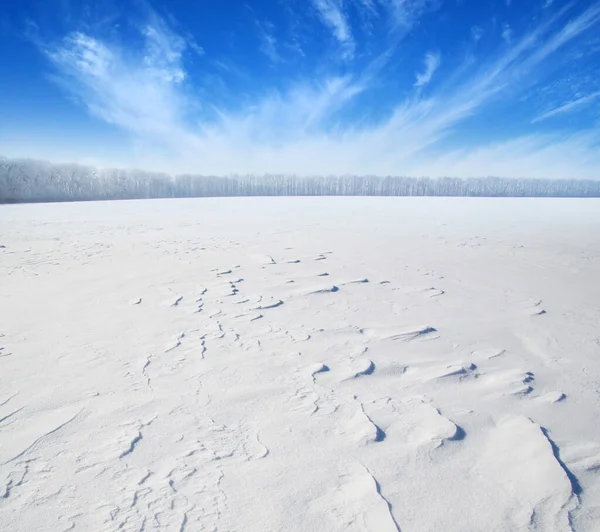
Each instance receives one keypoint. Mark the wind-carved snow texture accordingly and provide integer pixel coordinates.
(208, 374)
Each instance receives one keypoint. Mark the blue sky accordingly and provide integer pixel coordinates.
(389, 87)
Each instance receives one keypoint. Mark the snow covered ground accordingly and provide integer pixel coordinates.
(298, 364)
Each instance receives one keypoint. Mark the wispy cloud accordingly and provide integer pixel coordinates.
(572, 29)
(405, 13)
(268, 44)
(305, 109)
(333, 16)
(432, 63)
(369, 5)
(193, 45)
(141, 93)
(301, 129)
(532, 156)
(507, 33)
(476, 33)
(567, 107)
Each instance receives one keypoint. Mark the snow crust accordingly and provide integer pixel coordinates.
(357, 364)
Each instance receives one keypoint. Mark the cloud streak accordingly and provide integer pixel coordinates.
(432, 63)
(404, 14)
(578, 103)
(302, 128)
(141, 95)
(268, 42)
(533, 156)
(333, 16)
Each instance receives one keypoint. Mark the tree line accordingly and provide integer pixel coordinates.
(28, 180)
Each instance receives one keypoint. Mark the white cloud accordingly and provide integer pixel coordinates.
(140, 94)
(369, 6)
(476, 33)
(568, 106)
(432, 62)
(507, 33)
(268, 44)
(282, 117)
(332, 15)
(298, 130)
(405, 13)
(193, 45)
(533, 156)
(163, 54)
(572, 29)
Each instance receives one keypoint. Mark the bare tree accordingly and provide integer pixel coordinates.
(27, 180)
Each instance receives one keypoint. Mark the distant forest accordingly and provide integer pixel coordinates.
(27, 180)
